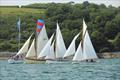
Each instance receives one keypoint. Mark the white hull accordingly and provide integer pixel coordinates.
(50, 61)
(12, 61)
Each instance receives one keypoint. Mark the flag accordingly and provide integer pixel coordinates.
(19, 35)
(40, 24)
(18, 25)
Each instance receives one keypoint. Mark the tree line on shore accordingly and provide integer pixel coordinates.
(103, 24)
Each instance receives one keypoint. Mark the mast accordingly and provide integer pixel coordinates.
(19, 30)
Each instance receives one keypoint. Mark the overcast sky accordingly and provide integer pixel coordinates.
(115, 3)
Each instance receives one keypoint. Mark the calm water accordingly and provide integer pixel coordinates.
(106, 69)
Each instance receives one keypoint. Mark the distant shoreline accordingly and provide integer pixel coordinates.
(105, 55)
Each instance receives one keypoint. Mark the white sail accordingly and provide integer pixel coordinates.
(31, 52)
(46, 50)
(79, 54)
(51, 55)
(88, 50)
(84, 28)
(42, 39)
(71, 49)
(60, 45)
(24, 48)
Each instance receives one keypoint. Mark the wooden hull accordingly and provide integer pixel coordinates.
(58, 61)
(32, 61)
(41, 61)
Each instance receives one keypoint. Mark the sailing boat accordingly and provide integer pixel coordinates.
(85, 50)
(21, 52)
(33, 53)
(57, 50)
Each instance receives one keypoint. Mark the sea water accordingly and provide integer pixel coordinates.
(104, 69)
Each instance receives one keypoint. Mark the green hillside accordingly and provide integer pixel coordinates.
(103, 23)
(21, 11)
(8, 31)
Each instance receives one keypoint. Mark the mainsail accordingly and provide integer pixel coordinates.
(71, 49)
(88, 50)
(60, 45)
(42, 39)
(31, 52)
(24, 48)
(46, 50)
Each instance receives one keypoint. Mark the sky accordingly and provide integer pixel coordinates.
(115, 3)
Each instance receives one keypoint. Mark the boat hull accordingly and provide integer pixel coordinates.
(85, 61)
(58, 61)
(12, 61)
(31, 61)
